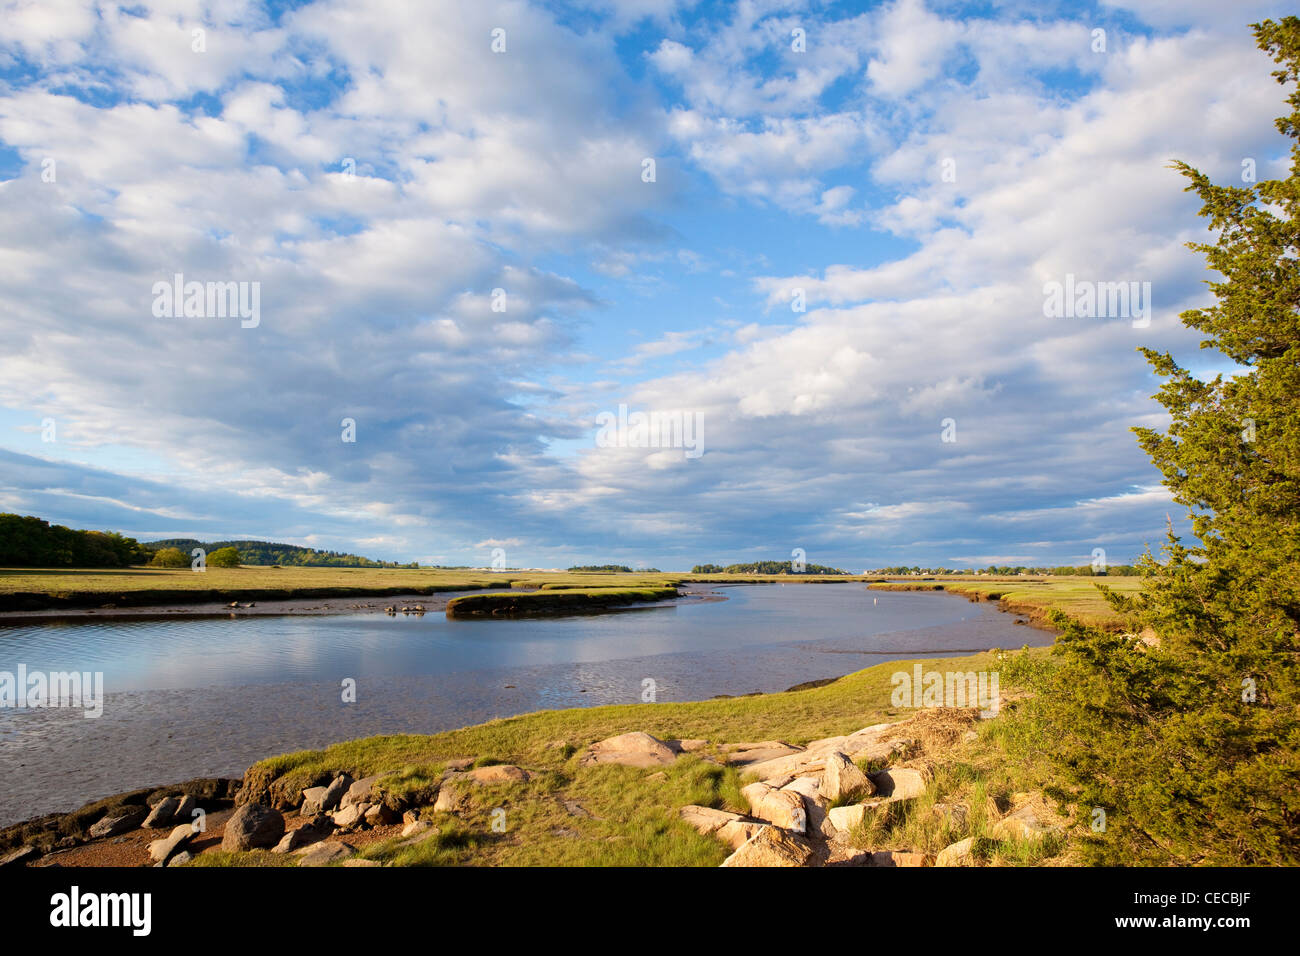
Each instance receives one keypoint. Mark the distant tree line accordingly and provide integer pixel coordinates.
(270, 552)
(613, 568)
(29, 542)
(765, 567)
(1113, 570)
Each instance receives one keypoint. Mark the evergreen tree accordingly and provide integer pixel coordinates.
(1187, 730)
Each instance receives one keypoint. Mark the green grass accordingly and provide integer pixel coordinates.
(552, 599)
(1077, 597)
(632, 813)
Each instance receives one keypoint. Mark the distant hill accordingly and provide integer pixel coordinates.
(271, 552)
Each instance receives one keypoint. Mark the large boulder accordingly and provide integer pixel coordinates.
(334, 792)
(323, 854)
(360, 791)
(313, 831)
(706, 819)
(899, 783)
(875, 743)
(160, 851)
(749, 754)
(960, 853)
(119, 821)
(253, 826)
(23, 854)
(635, 749)
(498, 773)
(1024, 824)
(351, 816)
(738, 832)
(782, 808)
(313, 801)
(163, 813)
(772, 846)
(842, 780)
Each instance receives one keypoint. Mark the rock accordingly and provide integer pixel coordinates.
(416, 826)
(163, 813)
(738, 832)
(410, 816)
(783, 808)
(807, 787)
(323, 854)
(313, 801)
(687, 746)
(1023, 824)
(362, 863)
(960, 853)
(119, 821)
(461, 763)
(845, 819)
(334, 792)
(181, 858)
(899, 783)
(842, 780)
(315, 830)
(19, 856)
(899, 858)
(747, 755)
(359, 792)
(451, 797)
(877, 742)
(635, 749)
(497, 773)
(707, 820)
(253, 826)
(161, 850)
(350, 816)
(185, 810)
(379, 815)
(772, 846)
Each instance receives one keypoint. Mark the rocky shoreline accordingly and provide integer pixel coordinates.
(808, 805)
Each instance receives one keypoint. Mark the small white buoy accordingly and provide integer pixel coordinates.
(874, 600)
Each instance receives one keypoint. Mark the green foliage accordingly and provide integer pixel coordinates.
(170, 558)
(29, 542)
(764, 567)
(1190, 741)
(285, 555)
(227, 557)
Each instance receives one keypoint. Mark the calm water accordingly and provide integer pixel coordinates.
(209, 696)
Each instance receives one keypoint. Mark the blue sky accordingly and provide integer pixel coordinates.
(917, 171)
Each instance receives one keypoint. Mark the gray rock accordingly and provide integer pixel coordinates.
(842, 780)
(313, 799)
(334, 792)
(161, 850)
(315, 830)
(359, 792)
(185, 810)
(323, 854)
(181, 858)
(253, 826)
(19, 856)
(162, 815)
(119, 821)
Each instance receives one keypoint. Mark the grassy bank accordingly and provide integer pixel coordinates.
(552, 600)
(569, 814)
(30, 589)
(1077, 597)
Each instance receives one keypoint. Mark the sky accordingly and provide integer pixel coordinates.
(821, 235)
